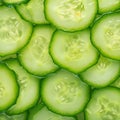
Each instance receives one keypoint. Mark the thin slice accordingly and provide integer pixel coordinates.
(41, 112)
(63, 92)
(103, 73)
(71, 15)
(73, 51)
(33, 11)
(105, 35)
(14, 31)
(104, 105)
(29, 88)
(35, 56)
(9, 89)
(108, 5)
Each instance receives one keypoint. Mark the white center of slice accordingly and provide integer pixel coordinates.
(10, 30)
(70, 9)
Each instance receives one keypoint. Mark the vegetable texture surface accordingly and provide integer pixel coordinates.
(59, 59)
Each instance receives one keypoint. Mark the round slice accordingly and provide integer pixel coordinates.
(104, 105)
(108, 5)
(8, 87)
(41, 112)
(73, 51)
(105, 35)
(64, 93)
(29, 88)
(14, 31)
(103, 73)
(35, 56)
(70, 15)
(33, 11)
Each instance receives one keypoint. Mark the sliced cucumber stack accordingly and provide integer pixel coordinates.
(59, 59)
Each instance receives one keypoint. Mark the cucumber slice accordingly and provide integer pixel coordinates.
(4, 116)
(70, 93)
(8, 87)
(104, 105)
(29, 88)
(35, 56)
(108, 6)
(33, 11)
(41, 112)
(116, 83)
(72, 50)
(103, 73)
(105, 35)
(71, 15)
(14, 32)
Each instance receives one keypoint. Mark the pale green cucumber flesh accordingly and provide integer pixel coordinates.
(108, 6)
(13, 33)
(70, 15)
(103, 73)
(72, 50)
(29, 88)
(35, 57)
(70, 93)
(104, 105)
(33, 11)
(105, 35)
(42, 113)
(8, 87)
